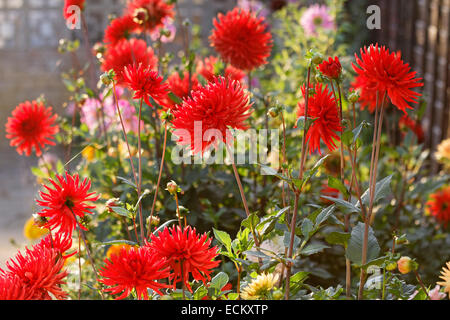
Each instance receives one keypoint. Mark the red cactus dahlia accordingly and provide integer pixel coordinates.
(149, 13)
(367, 92)
(39, 272)
(240, 37)
(439, 205)
(127, 52)
(60, 242)
(220, 104)
(321, 106)
(134, 268)
(67, 3)
(331, 68)
(145, 83)
(119, 29)
(32, 125)
(65, 201)
(11, 288)
(186, 253)
(386, 73)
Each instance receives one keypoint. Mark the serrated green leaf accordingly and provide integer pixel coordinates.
(355, 245)
(223, 237)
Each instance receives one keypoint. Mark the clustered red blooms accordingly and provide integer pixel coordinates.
(173, 253)
(218, 105)
(406, 122)
(35, 275)
(241, 38)
(323, 108)
(66, 201)
(145, 83)
(331, 68)
(382, 73)
(127, 52)
(207, 69)
(32, 125)
(134, 268)
(67, 13)
(119, 29)
(149, 14)
(185, 252)
(439, 205)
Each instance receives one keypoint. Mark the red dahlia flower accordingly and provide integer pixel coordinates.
(186, 253)
(145, 82)
(119, 29)
(32, 125)
(439, 205)
(220, 104)
(331, 68)
(39, 272)
(386, 73)
(415, 126)
(149, 14)
(127, 52)
(207, 68)
(180, 86)
(134, 268)
(67, 13)
(322, 107)
(11, 288)
(60, 242)
(240, 37)
(66, 201)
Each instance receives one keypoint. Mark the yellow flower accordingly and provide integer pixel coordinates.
(445, 275)
(259, 287)
(88, 153)
(32, 231)
(115, 249)
(443, 151)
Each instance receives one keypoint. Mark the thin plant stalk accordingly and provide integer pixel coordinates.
(159, 175)
(298, 192)
(141, 218)
(128, 148)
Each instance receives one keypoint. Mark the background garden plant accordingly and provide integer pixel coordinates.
(347, 214)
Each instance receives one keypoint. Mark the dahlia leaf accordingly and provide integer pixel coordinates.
(338, 238)
(345, 206)
(164, 225)
(219, 281)
(313, 248)
(337, 184)
(355, 245)
(324, 215)
(382, 189)
(223, 237)
(122, 212)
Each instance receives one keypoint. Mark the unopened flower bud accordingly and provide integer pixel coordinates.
(406, 265)
(153, 221)
(391, 266)
(105, 79)
(353, 96)
(317, 58)
(172, 187)
(39, 221)
(115, 202)
(273, 112)
(278, 295)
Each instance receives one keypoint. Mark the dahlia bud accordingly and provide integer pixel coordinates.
(273, 112)
(278, 295)
(317, 58)
(320, 78)
(406, 265)
(105, 79)
(39, 221)
(172, 187)
(391, 266)
(153, 221)
(353, 96)
(114, 202)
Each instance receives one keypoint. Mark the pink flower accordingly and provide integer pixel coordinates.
(169, 24)
(255, 6)
(316, 16)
